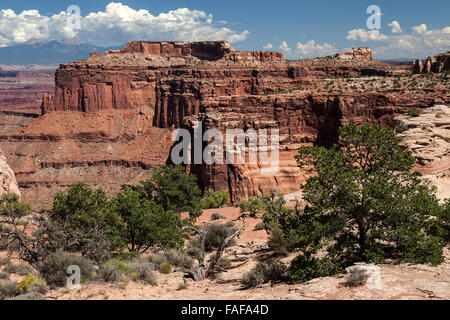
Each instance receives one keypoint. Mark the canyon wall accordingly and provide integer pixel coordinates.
(111, 117)
(22, 90)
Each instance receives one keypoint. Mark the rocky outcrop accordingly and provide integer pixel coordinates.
(437, 64)
(110, 117)
(418, 67)
(23, 90)
(360, 54)
(8, 183)
(428, 137)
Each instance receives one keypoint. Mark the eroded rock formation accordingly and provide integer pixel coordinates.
(111, 117)
(437, 64)
(8, 183)
(360, 54)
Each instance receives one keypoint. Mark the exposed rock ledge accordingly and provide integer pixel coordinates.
(8, 183)
(428, 136)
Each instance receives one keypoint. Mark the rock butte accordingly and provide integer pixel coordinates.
(110, 117)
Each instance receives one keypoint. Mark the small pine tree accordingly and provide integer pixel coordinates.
(141, 224)
(366, 202)
(174, 189)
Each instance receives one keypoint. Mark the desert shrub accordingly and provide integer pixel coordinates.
(4, 261)
(260, 226)
(7, 289)
(165, 268)
(28, 297)
(304, 269)
(4, 276)
(215, 236)
(30, 284)
(54, 268)
(215, 199)
(255, 207)
(194, 252)
(356, 278)
(269, 271)
(217, 216)
(111, 272)
(224, 262)
(80, 226)
(141, 224)
(402, 127)
(174, 189)
(144, 271)
(414, 112)
(174, 257)
(253, 278)
(21, 269)
(117, 270)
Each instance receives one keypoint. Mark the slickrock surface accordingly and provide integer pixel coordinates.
(428, 137)
(8, 183)
(179, 83)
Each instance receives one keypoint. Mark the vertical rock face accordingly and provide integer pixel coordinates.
(418, 67)
(8, 183)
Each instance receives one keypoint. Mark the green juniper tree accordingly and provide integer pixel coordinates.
(174, 189)
(141, 224)
(363, 203)
(367, 202)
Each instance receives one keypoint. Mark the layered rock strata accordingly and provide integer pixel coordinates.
(110, 117)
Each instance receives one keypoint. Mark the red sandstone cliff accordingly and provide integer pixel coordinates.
(110, 116)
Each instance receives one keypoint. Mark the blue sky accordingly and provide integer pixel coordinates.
(298, 28)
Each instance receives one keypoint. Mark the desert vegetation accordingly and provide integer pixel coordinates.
(362, 203)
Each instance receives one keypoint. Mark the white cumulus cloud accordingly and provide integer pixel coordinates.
(396, 28)
(310, 49)
(285, 48)
(117, 24)
(419, 43)
(364, 35)
(313, 49)
(268, 46)
(420, 29)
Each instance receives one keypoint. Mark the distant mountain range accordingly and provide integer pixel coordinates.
(48, 52)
